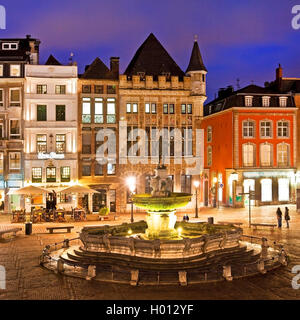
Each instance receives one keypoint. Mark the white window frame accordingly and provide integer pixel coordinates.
(266, 101)
(10, 168)
(248, 101)
(246, 162)
(270, 163)
(17, 103)
(209, 134)
(247, 127)
(209, 156)
(271, 129)
(283, 102)
(15, 135)
(10, 70)
(281, 127)
(287, 155)
(86, 101)
(1, 70)
(10, 45)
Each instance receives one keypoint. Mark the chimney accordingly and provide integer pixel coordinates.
(114, 66)
(279, 76)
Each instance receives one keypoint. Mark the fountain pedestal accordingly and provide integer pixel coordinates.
(161, 225)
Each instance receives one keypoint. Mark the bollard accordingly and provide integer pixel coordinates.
(134, 277)
(261, 266)
(227, 273)
(66, 243)
(264, 248)
(182, 278)
(91, 272)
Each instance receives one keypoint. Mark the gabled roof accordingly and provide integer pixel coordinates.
(52, 61)
(196, 62)
(153, 59)
(98, 70)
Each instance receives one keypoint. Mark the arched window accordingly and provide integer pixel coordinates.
(209, 155)
(265, 155)
(248, 155)
(283, 155)
(248, 129)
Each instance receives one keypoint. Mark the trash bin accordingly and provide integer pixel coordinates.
(210, 220)
(28, 228)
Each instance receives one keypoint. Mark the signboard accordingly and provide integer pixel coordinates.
(221, 185)
(51, 155)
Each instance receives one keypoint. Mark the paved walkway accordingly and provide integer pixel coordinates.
(27, 280)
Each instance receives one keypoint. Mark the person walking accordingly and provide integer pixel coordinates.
(287, 217)
(279, 217)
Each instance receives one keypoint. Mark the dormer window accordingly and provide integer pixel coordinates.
(248, 101)
(282, 101)
(10, 46)
(266, 101)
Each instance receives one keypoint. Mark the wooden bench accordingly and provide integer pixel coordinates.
(255, 225)
(232, 222)
(51, 229)
(107, 218)
(12, 230)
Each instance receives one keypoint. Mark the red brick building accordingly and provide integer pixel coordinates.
(250, 144)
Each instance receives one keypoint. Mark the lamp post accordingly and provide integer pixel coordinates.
(234, 179)
(131, 183)
(215, 180)
(196, 185)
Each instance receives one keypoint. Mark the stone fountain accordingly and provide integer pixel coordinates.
(161, 206)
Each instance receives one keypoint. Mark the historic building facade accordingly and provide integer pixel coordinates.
(14, 55)
(50, 125)
(250, 144)
(98, 113)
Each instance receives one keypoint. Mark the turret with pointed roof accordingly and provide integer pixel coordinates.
(153, 59)
(196, 62)
(197, 71)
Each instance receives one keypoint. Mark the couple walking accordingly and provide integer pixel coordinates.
(286, 217)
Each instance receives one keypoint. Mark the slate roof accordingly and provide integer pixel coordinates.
(196, 62)
(98, 70)
(21, 53)
(52, 61)
(229, 99)
(153, 59)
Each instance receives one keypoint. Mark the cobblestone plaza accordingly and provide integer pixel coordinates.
(26, 280)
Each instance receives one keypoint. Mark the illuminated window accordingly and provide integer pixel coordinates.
(183, 108)
(60, 143)
(65, 174)
(1, 70)
(15, 70)
(266, 190)
(86, 110)
(282, 129)
(248, 155)
(265, 129)
(248, 101)
(248, 129)
(283, 155)
(60, 89)
(265, 101)
(111, 169)
(41, 89)
(283, 189)
(209, 134)
(209, 156)
(41, 143)
(51, 174)
(98, 110)
(14, 160)
(282, 101)
(111, 110)
(15, 131)
(36, 175)
(15, 97)
(1, 163)
(189, 109)
(265, 155)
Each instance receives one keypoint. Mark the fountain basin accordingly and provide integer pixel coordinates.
(152, 203)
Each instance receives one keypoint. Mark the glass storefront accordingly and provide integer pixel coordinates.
(283, 189)
(266, 190)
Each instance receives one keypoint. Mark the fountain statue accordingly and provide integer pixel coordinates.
(161, 205)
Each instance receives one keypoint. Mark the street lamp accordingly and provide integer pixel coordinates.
(196, 185)
(131, 183)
